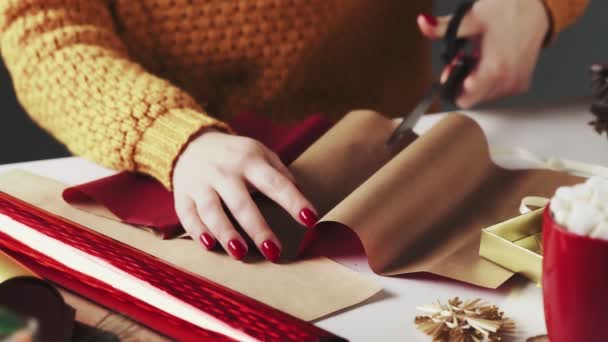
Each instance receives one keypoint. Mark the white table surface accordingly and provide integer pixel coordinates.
(552, 131)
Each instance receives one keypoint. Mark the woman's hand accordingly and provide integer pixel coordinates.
(508, 35)
(216, 170)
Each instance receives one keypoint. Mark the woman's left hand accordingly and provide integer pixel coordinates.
(508, 36)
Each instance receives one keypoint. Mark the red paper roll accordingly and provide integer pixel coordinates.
(239, 312)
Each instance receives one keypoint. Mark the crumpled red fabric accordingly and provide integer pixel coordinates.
(141, 200)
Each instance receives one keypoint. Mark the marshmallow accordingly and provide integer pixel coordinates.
(583, 208)
(560, 205)
(583, 217)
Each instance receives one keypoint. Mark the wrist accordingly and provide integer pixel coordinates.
(164, 140)
(196, 140)
(192, 147)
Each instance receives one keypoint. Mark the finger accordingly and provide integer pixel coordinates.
(477, 87)
(247, 214)
(211, 212)
(436, 27)
(488, 79)
(445, 73)
(277, 163)
(283, 192)
(191, 220)
(508, 88)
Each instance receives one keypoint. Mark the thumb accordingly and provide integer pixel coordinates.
(436, 27)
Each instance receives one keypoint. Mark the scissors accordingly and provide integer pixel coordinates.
(455, 48)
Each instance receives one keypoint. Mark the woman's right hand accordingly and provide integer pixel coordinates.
(508, 36)
(218, 169)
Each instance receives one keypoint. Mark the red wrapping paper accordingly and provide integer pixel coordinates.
(122, 193)
(238, 311)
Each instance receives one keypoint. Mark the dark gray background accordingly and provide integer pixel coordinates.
(562, 72)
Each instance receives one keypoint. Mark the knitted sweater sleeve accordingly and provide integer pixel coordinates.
(564, 13)
(74, 77)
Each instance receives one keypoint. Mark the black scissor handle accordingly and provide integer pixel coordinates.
(456, 48)
(451, 88)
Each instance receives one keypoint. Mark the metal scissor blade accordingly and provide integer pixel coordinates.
(409, 121)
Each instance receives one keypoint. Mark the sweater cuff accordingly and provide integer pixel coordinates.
(162, 142)
(563, 13)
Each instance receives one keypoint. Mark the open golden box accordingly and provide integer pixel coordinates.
(516, 244)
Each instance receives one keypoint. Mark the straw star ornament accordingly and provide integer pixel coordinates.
(459, 321)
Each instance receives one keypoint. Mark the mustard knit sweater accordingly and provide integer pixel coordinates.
(127, 83)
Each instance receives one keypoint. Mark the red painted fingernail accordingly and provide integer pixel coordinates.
(271, 251)
(207, 240)
(237, 249)
(308, 217)
(429, 19)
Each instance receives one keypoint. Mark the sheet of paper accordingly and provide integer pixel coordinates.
(308, 289)
(421, 210)
(434, 199)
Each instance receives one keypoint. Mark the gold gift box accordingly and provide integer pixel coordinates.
(516, 244)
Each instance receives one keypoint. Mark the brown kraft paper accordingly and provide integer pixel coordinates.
(308, 289)
(419, 211)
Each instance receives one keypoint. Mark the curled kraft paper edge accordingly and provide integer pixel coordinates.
(421, 210)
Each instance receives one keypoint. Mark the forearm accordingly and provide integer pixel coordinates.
(74, 77)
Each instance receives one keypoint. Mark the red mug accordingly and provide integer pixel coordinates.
(575, 284)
